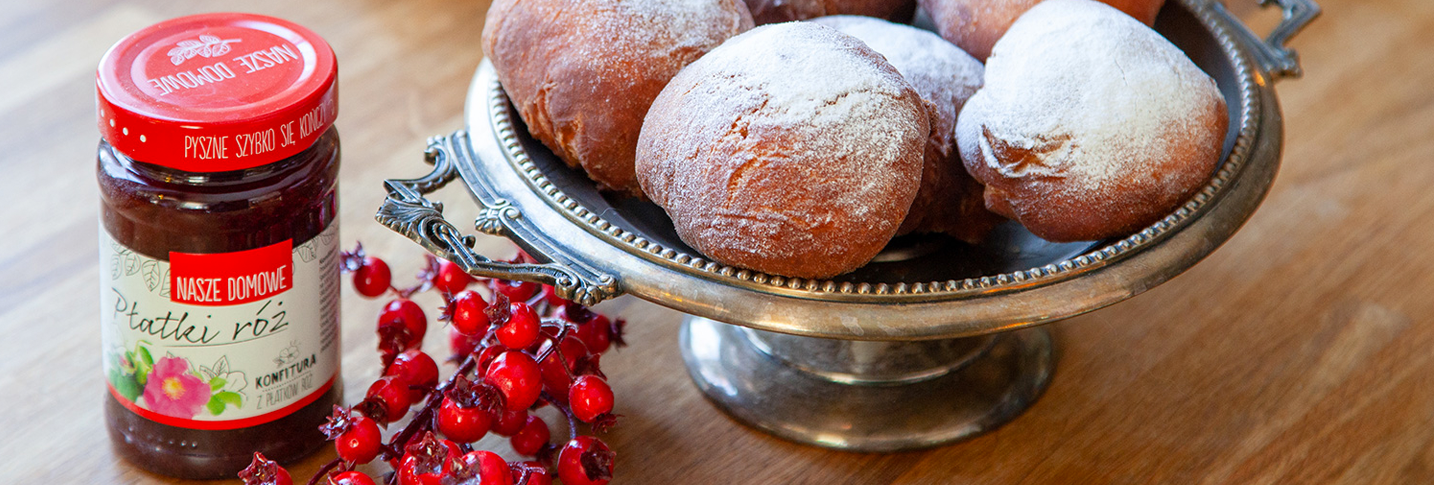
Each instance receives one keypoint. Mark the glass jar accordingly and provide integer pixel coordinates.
(219, 293)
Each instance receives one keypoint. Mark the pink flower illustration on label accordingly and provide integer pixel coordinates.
(206, 46)
(173, 391)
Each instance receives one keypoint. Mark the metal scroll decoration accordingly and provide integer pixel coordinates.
(406, 211)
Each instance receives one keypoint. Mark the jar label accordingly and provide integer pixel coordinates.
(221, 341)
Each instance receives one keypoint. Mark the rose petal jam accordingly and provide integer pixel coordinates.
(218, 170)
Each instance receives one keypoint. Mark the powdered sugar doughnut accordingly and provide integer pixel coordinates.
(791, 149)
(582, 73)
(974, 25)
(1090, 125)
(774, 11)
(949, 200)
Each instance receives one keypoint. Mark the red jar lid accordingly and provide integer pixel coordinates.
(217, 92)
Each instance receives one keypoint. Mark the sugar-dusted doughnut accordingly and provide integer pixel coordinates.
(582, 73)
(1090, 124)
(949, 201)
(792, 149)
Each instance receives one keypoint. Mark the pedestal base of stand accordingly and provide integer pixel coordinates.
(808, 406)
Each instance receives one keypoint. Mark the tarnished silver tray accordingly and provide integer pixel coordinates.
(924, 345)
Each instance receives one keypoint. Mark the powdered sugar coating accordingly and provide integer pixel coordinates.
(949, 201)
(976, 25)
(792, 149)
(1090, 124)
(775, 11)
(583, 73)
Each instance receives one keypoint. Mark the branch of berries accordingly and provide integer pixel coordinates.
(517, 350)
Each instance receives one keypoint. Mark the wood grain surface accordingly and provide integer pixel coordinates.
(1300, 352)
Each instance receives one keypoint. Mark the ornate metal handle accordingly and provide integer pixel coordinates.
(1271, 53)
(407, 212)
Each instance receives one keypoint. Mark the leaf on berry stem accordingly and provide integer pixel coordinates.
(619, 326)
(604, 422)
(588, 365)
(351, 261)
(337, 424)
(263, 471)
(499, 312)
(373, 408)
(393, 339)
(428, 451)
(577, 313)
(597, 463)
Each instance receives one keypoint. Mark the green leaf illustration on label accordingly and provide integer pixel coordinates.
(125, 384)
(142, 364)
(221, 400)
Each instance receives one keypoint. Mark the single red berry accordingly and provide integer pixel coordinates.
(532, 437)
(417, 370)
(405, 313)
(557, 367)
(450, 278)
(481, 467)
(594, 329)
(514, 290)
(350, 477)
(486, 357)
(522, 327)
(463, 424)
(392, 396)
(585, 461)
(590, 396)
(596, 333)
(509, 423)
(263, 471)
(361, 443)
(462, 344)
(427, 461)
(372, 278)
(537, 474)
(468, 313)
(515, 375)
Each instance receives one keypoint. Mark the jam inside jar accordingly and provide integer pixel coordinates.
(218, 170)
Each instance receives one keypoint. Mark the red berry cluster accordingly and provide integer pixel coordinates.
(519, 349)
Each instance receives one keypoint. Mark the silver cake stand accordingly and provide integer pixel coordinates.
(933, 342)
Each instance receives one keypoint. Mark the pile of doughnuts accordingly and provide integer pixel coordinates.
(798, 138)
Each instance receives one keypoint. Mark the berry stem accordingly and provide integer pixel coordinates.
(324, 471)
(555, 339)
(567, 413)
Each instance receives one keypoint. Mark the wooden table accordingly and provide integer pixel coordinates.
(1298, 353)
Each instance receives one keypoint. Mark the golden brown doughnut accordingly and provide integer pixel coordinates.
(792, 149)
(949, 201)
(1090, 125)
(975, 25)
(582, 73)
(774, 11)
